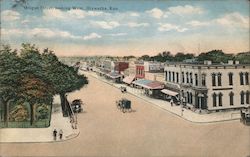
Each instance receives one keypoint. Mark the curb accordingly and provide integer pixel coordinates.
(52, 141)
(155, 105)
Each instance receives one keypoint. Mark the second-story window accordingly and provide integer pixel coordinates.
(191, 78)
(230, 77)
(182, 75)
(203, 79)
(196, 79)
(241, 79)
(177, 77)
(187, 77)
(213, 80)
(169, 76)
(231, 98)
(166, 75)
(173, 73)
(246, 78)
(219, 79)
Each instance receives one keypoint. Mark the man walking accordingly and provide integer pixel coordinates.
(54, 134)
(60, 134)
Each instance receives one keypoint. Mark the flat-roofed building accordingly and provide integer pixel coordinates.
(208, 86)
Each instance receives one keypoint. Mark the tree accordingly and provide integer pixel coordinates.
(216, 56)
(10, 70)
(35, 91)
(65, 79)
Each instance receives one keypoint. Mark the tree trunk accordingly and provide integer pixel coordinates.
(64, 104)
(31, 114)
(6, 112)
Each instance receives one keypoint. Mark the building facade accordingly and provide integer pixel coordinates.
(208, 86)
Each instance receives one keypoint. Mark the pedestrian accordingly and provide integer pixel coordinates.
(54, 134)
(60, 134)
(171, 102)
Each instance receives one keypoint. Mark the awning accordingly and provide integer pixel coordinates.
(129, 79)
(169, 92)
(114, 75)
(149, 84)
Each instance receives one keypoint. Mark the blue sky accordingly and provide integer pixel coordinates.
(127, 27)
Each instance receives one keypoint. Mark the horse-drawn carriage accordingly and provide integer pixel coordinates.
(77, 105)
(124, 105)
(245, 117)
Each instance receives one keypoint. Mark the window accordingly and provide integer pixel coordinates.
(231, 98)
(177, 77)
(203, 79)
(219, 79)
(196, 79)
(187, 77)
(169, 76)
(246, 79)
(214, 100)
(220, 99)
(241, 79)
(182, 75)
(166, 75)
(242, 98)
(191, 78)
(188, 100)
(173, 73)
(191, 98)
(213, 80)
(247, 97)
(230, 76)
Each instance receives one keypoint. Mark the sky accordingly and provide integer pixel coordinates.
(132, 27)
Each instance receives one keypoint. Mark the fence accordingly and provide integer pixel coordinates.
(26, 124)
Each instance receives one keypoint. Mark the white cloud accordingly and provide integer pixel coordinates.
(134, 14)
(70, 14)
(198, 23)
(155, 12)
(106, 25)
(11, 32)
(10, 15)
(48, 33)
(92, 36)
(168, 27)
(117, 34)
(184, 10)
(134, 24)
(234, 20)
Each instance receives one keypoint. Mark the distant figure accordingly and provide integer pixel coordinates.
(60, 134)
(171, 102)
(54, 134)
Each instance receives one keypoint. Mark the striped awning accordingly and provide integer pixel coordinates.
(149, 84)
(129, 79)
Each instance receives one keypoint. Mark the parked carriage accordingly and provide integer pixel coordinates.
(77, 105)
(124, 105)
(245, 117)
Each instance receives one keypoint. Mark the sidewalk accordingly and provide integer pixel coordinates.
(177, 110)
(42, 134)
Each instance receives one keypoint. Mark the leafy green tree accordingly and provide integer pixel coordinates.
(216, 56)
(10, 70)
(65, 79)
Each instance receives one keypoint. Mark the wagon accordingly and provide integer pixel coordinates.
(77, 105)
(124, 105)
(245, 117)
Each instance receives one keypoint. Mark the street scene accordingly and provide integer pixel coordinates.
(106, 131)
(125, 78)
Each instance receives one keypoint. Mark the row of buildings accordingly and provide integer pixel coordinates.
(205, 87)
